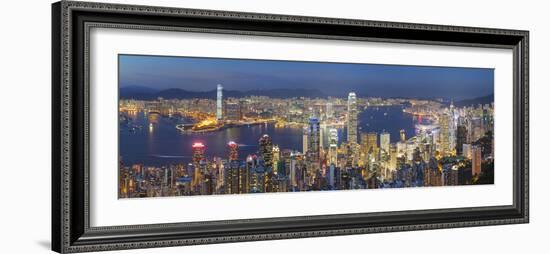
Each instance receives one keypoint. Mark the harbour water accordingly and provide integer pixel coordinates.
(161, 143)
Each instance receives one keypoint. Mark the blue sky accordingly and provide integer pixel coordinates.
(334, 79)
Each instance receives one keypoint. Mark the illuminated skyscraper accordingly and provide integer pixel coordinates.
(232, 178)
(314, 135)
(233, 151)
(385, 141)
(198, 150)
(305, 142)
(219, 103)
(333, 146)
(266, 150)
(199, 162)
(352, 118)
(444, 135)
(276, 158)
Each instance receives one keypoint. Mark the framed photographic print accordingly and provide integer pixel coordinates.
(181, 126)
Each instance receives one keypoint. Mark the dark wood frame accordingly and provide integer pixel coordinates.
(71, 22)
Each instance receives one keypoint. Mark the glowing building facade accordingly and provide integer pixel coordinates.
(219, 102)
(352, 119)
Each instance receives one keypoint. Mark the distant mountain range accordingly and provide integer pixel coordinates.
(145, 93)
(487, 99)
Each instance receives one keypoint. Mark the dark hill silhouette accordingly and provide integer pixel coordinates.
(139, 93)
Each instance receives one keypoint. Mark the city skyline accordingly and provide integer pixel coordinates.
(366, 80)
(258, 142)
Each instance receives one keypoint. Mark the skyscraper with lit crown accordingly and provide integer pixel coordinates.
(199, 161)
(352, 118)
(233, 151)
(198, 150)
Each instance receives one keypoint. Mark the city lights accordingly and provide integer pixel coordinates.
(331, 151)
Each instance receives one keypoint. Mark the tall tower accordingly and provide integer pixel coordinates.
(333, 146)
(305, 133)
(219, 103)
(352, 118)
(198, 150)
(444, 134)
(199, 161)
(314, 135)
(266, 150)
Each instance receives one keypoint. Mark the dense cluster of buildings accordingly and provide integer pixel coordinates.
(454, 148)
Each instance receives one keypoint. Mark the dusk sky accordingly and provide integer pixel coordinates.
(334, 79)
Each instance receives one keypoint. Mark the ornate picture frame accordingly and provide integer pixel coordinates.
(71, 229)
